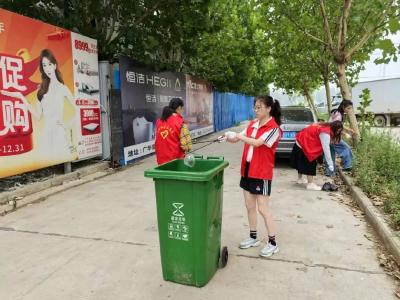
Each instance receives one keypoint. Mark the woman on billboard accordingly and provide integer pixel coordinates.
(56, 135)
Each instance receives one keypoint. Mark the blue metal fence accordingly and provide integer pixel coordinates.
(230, 109)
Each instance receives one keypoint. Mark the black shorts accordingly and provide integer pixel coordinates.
(301, 163)
(254, 185)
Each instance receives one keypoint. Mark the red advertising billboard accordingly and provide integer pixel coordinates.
(49, 95)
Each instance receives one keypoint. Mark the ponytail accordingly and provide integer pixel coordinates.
(166, 113)
(171, 108)
(268, 101)
(276, 112)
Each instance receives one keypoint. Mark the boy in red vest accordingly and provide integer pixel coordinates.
(172, 134)
(261, 138)
(311, 143)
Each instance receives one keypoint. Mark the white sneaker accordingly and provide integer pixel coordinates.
(269, 250)
(249, 242)
(302, 180)
(313, 187)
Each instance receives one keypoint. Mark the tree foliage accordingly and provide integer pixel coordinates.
(218, 40)
(234, 56)
(297, 64)
(239, 46)
(156, 32)
(348, 30)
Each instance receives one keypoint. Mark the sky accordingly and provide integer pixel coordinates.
(371, 72)
(383, 71)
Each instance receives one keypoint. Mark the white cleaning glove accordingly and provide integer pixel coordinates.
(230, 134)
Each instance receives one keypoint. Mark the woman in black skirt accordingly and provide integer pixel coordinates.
(311, 143)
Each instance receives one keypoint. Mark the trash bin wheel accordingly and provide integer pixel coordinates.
(223, 258)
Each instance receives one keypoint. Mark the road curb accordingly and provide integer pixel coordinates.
(375, 218)
(58, 181)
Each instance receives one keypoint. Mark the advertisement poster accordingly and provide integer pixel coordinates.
(199, 106)
(49, 95)
(87, 96)
(144, 93)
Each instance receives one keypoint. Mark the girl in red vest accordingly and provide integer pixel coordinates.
(261, 138)
(172, 134)
(311, 143)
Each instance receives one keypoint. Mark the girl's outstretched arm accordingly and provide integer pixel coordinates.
(251, 141)
(268, 138)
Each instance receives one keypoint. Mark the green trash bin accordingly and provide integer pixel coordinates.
(189, 213)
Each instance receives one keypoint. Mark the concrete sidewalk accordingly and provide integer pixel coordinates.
(99, 241)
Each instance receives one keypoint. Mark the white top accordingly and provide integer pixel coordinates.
(53, 105)
(54, 141)
(269, 137)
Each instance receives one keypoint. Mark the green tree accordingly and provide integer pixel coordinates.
(348, 29)
(218, 40)
(366, 117)
(233, 54)
(298, 65)
(159, 33)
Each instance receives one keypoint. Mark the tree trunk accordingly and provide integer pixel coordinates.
(345, 91)
(310, 101)
(343, 84)
(328, 95)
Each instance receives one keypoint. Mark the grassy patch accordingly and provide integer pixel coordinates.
(323, 116)
(377, 170)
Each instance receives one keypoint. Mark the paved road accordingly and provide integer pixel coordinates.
(99, 241)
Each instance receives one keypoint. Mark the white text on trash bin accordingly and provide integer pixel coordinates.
(177, 228)
(177, 212)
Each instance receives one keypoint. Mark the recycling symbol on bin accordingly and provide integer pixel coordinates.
(177, 212)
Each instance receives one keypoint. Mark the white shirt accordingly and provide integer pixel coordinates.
(269, 137)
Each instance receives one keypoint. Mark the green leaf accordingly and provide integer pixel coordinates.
(386, 45)
(394, 25)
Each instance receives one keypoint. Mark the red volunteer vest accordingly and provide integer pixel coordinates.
(263, 160)
(167, 143)
(309, 141)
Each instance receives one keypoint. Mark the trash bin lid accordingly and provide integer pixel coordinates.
(203, 170)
